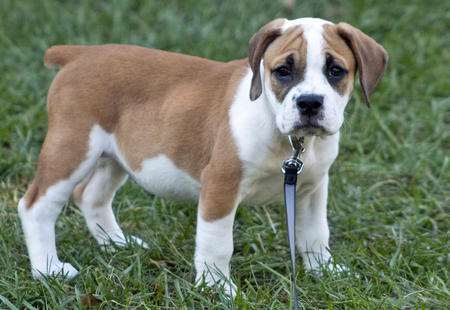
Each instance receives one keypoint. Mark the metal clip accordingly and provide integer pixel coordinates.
(294, 161)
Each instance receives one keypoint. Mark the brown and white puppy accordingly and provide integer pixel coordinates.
(192, 129)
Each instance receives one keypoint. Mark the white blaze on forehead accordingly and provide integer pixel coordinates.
(312, 33)
(304, 22)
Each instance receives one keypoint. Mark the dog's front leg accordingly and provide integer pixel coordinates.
(311, 227)
(214, 239)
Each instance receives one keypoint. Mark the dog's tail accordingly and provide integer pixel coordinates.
(60, 55)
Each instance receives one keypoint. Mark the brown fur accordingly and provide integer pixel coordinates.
(276, 54)
(64, 149)
(370, 57)
(256, 49)
(79, 189)
(118, 87)
(342, 54)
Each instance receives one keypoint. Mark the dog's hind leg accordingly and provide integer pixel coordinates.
(67, 156)
(94, 197)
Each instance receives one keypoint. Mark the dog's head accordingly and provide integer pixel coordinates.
(306, 68)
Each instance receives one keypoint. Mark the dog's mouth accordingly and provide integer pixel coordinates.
(309, 129)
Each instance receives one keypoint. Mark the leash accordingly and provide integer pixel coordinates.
(291, 168)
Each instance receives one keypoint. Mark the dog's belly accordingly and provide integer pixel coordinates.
(162, 178)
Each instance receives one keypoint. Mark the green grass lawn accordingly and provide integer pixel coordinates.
(389, 189)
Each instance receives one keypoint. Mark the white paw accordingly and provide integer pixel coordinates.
(108, 244)
(218, 281)
(55, 269)
(229, 288)
(335, 269)
(330, 268)
(138, 241)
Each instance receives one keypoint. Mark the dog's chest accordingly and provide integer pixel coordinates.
(262, 181)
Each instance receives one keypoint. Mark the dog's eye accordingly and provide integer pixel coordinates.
(335, 73)
(283, 73)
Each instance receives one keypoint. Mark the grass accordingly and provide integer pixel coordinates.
(389, 192)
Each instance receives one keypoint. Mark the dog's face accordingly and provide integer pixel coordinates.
(306, 68)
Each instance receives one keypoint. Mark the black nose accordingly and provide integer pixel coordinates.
(309, 104)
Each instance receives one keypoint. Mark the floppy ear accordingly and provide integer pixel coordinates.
(370, 57)
(256, 48)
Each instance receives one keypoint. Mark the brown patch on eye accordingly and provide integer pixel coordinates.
(342, 55)
(289, 50)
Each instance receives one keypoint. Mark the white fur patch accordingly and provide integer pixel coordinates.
(253, 127)
(252, 123)
(213, 251)
(305, 22)
(161, 177)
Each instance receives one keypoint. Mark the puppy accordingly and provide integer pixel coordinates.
(198, 130)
